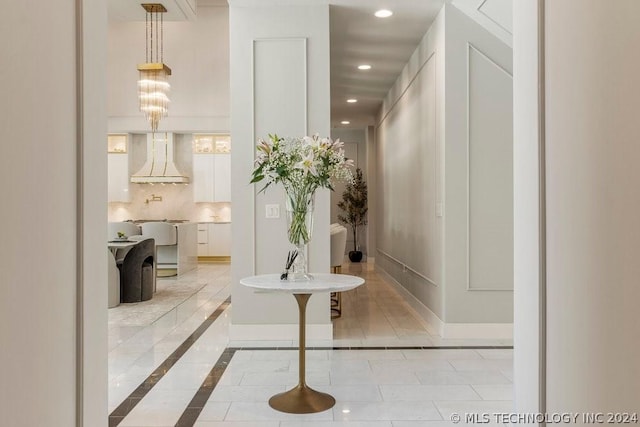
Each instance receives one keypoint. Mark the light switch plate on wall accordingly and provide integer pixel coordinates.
(272, 211)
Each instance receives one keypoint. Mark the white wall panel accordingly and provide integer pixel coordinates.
(490, 163)
(280, 107)
(478, 206)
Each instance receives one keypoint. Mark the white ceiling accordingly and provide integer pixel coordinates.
(357, 37)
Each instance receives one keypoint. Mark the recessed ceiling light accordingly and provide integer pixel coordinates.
(345, 122)
(383, 13)
(352, 101)
(364, 67)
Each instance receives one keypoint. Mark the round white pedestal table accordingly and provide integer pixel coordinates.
(302, 399)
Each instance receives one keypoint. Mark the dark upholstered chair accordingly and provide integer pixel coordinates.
(137, 273)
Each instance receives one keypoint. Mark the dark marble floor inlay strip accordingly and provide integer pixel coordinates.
(430, 347)
(141, 391)
(197, 404)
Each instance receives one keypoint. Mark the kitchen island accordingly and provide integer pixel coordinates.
(180, 254)
(187, 247)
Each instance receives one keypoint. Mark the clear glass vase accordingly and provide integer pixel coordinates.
(299, 208)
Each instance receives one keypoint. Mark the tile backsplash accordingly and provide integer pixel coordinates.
(177, 200)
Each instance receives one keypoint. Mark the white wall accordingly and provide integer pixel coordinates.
(494, 15)
(445, 185)
(197, 53)
(409, 138)
(592, 97)
(372, 180)
(280, 84)
(53, 263)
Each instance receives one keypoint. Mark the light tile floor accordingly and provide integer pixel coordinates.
(391, 388)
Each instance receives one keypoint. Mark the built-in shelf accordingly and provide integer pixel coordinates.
(117, 143)
(118, 168)
(211, 143)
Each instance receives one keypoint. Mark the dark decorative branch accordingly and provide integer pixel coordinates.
(354, 205)
(291, 257)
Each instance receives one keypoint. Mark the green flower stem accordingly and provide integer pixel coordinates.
(300, 203)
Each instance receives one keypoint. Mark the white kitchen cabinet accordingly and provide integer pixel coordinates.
(214, 240)
(220, 240)
(117, 168)
(203, 177)
(211, 168)
(203, 240)
(222, 178)
(211, 178)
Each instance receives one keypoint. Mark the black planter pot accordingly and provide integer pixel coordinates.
(355, 256)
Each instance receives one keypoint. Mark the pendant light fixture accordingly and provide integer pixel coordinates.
(153, 85)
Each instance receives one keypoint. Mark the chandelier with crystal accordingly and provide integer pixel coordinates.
(153, 87)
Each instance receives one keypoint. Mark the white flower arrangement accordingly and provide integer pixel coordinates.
(306, 163)
(302, 165)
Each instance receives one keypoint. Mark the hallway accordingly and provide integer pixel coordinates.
(176, 365)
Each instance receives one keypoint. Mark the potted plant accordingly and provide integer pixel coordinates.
(354, 205)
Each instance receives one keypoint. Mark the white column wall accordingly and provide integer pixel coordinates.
(593, 230)
(279, 84)
(527, 338)
(93, 205)
(53, 260)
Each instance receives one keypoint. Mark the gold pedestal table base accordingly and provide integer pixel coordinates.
(302, 399)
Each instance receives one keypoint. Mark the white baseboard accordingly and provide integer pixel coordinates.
(282, 332)
(435, 326)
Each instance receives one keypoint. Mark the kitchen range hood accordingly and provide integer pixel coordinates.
(159, 166)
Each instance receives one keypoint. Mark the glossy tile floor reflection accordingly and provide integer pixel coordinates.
(393, 388)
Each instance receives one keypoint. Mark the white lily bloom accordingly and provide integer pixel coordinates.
(307, 164)
(309, 141)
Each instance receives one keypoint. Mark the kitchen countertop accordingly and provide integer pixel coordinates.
(170, 221)
(214, 222)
